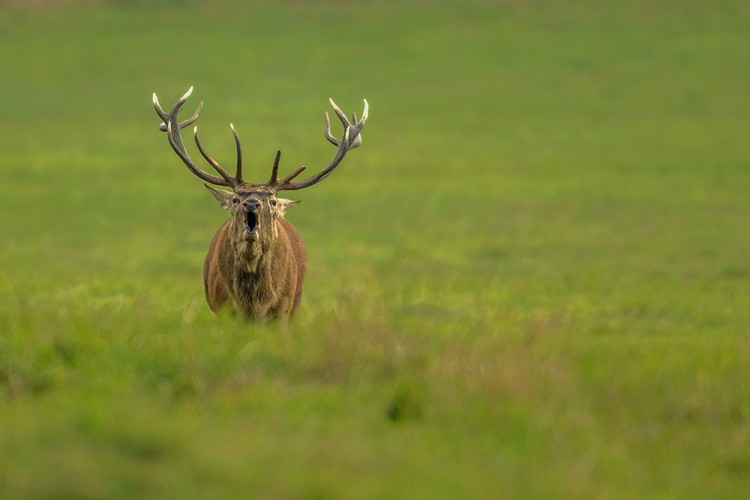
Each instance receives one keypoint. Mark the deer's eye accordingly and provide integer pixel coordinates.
(235, 200)
(273, 203)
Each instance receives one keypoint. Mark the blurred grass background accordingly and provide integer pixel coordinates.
(531, 281)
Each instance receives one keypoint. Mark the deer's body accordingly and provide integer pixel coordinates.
(259, 282)
(256, 261)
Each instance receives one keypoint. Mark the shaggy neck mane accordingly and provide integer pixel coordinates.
(256, 287)
(254, 267)
(252, 256)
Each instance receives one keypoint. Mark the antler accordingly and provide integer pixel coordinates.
(172, 127)
(350, 140)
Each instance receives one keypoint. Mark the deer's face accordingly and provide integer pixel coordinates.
(254, 211)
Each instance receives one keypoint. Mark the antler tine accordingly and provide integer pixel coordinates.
(273, 181)
(327, 132)
(172, 127)
(339, 113)
(360, 125)
(351, 139)
(275, 169)
(231, 182)
(364, 112)
(238, 170)
(291, 176)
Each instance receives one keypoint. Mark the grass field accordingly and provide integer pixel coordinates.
(532, 281)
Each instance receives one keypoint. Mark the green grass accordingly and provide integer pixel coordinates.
(532, 281)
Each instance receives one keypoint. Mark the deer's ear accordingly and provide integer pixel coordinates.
(223, 197)
(285, 205)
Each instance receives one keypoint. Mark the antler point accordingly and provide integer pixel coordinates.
(186, 94)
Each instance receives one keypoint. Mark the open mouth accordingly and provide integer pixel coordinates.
(251, 223)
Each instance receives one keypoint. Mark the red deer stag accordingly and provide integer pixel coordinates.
(256, 260)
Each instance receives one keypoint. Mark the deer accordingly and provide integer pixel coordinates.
(256, 261)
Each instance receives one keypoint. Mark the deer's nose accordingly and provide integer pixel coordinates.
(251, 205)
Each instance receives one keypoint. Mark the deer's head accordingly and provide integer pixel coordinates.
(254, 207)
(254, 210)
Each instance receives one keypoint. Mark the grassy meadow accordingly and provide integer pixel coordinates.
(531, 281)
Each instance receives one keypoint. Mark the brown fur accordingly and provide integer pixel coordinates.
(261, 278)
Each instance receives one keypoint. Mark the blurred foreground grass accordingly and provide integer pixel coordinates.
(531, 281)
